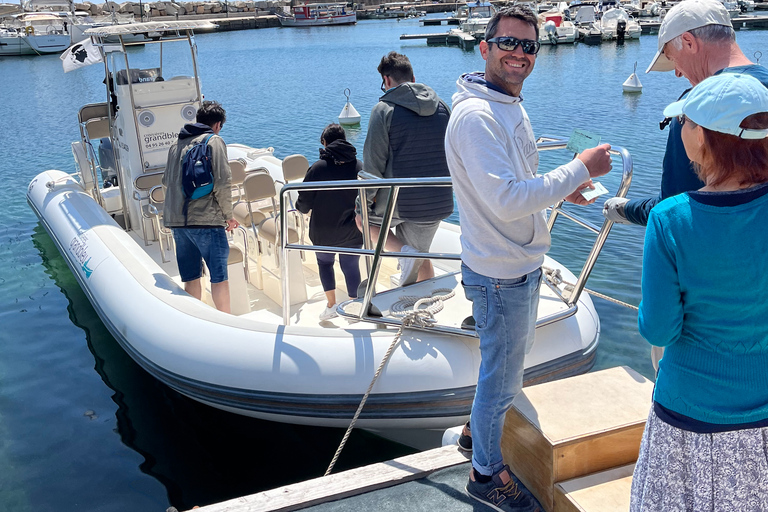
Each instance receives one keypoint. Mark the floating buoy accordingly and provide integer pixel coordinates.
(632, 84)
(349, 115)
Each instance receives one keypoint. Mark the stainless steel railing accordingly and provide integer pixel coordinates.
(374, 255)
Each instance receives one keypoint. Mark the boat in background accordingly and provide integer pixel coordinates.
(616, 24)
(474, 17)
(311, 15)
(554, 28)
(33, 33)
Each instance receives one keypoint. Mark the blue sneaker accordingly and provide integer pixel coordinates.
(465, 439)
(504, 492)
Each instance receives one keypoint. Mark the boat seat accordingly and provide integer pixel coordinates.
(84, 165)
(237, 170)
(295, 168)
(97, 128)
(238, 288)
(153, 211)
(257, 188)
(92, 111)
(142, 188)
(246, 217)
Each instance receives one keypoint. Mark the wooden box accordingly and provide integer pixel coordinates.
(574, 427)
(606, 491)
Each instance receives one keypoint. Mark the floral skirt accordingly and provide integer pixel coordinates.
(678, 470)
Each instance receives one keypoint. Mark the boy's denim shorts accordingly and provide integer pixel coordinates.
(193, 245)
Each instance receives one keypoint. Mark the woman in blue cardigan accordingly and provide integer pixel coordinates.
(705, 299)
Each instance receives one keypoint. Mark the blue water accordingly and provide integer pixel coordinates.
(84, 428)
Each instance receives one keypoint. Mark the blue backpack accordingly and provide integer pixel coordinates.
(197, 171)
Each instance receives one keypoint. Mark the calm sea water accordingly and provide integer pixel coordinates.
(84, 428)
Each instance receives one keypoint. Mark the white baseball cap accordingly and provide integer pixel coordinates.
(721, 102)
(684, 17)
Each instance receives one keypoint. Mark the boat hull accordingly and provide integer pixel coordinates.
(290, 21)
(292, 374)
(33, 44)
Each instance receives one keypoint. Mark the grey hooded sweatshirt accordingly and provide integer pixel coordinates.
(405, 139)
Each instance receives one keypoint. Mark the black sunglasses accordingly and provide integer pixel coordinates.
(510, 44)
(383, 87)
(682, 120)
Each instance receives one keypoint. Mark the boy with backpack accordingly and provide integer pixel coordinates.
(198, 203)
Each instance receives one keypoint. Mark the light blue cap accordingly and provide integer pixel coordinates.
(721, 102)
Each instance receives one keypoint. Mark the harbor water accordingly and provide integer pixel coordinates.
(82, 427)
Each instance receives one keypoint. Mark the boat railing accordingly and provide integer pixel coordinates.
(374, 255)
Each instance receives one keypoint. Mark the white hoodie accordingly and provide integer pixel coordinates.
(492, 157)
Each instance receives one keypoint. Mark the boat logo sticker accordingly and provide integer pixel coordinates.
(87, 258)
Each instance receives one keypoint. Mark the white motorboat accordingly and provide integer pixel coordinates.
(33, 33)
(311, 15)
(555, 29)
(616, 24)
(474, 17)
(587, 25)
(732, 7)
(271, 358)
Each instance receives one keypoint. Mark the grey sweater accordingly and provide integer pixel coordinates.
(215, 208)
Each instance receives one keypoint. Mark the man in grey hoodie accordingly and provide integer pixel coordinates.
(405, 140)
(493, 159)
(200, 232)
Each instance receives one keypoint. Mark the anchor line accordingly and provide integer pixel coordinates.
(414, 317)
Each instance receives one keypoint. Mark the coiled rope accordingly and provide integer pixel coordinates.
(416, 316)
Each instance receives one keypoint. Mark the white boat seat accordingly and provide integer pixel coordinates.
(237, 170)
(246, 217)
(92, 111)
(97, 128)
(148, 181)
(268, 230)
(143, 186)
(84, 165)
(295, 167)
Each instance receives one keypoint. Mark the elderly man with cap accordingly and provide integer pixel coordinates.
(696, 41)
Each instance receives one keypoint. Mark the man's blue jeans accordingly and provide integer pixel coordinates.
(505, 319)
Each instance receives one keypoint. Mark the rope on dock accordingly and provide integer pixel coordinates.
(415, 316)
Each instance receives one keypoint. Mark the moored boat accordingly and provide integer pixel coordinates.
(33, 33)
(311, 15)
(272, 359)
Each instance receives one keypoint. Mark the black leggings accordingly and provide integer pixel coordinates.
(350, 265)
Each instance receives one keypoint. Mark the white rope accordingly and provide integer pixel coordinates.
(555, 278)
(414, 316)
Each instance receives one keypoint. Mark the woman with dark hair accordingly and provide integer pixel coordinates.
(333, 213)
(705, 281)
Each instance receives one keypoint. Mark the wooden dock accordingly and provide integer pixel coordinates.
(454, 37)
(572, 442)
(761, 21)
(438, 21)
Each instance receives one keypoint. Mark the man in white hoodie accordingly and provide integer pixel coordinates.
(492, 157)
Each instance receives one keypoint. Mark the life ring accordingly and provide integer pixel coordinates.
(29, 30)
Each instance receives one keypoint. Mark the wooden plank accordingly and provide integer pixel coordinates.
(598, 453)
(607, 491)
(344, 484)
